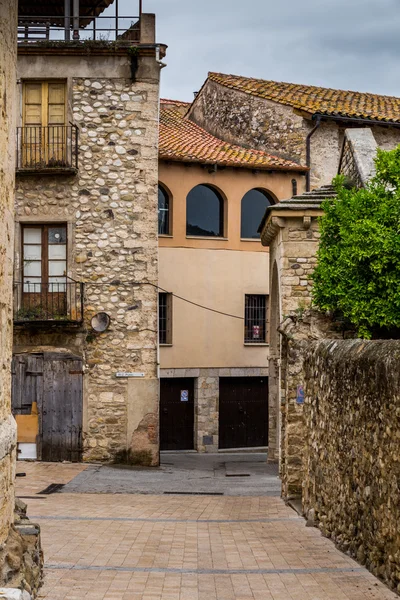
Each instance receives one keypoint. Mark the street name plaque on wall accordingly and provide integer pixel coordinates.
(127, 375)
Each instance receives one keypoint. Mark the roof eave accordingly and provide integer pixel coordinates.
(251, 167)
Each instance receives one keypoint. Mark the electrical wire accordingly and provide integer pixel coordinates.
(117, 283)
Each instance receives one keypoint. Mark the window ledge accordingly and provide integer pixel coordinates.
(251, 240)
(165, 235)
(256, 344)
(205, 237)
(166, 345)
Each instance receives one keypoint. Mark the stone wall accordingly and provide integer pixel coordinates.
(260, 123)
(357, 162)
(351, 457)
(111, 211)
(8, 29)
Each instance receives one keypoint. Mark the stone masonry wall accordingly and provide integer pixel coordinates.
(8, 29)
(352, 458)
(260, 123)
(111, 208)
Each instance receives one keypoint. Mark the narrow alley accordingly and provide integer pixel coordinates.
(209, 542)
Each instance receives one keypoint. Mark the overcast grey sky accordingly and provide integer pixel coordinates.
(348, 44)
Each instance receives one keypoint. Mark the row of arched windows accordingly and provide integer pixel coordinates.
(205, 212)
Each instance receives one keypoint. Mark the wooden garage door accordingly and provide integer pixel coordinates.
(243, 412)
(177, 414)
(54, 382)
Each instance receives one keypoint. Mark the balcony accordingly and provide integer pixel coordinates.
(48, 303)
(47, 150)
(77, 22)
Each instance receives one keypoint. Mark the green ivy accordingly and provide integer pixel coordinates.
(358, 271)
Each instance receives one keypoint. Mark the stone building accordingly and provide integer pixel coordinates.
(214, 365)
(20, 554)
(299, 122)
(291, 231)
(86, 257)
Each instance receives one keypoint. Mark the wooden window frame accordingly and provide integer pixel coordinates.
(45, 248)
(45, 99)
(165, 333)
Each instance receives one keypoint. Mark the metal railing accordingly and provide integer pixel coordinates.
(123, 30)
(56, 302)
(54, 147)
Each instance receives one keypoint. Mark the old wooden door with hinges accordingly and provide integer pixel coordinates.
(54, 382)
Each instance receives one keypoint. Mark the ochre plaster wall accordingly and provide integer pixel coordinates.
(219, 280)
(179, 179)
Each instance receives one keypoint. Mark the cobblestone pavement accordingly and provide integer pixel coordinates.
(182, 547)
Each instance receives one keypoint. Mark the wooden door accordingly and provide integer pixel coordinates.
(243, 412)
(177, 414)
(54, 381)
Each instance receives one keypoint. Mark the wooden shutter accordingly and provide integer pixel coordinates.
(33, 104)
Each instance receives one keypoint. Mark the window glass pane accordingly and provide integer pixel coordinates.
(58, 251)
(33, 268)
(57, 235)
(254, 205)
(57, 268)
(32, 285)
(57, 284)
(163, 212)
(33, 252)
(32, 235)
(204, 216)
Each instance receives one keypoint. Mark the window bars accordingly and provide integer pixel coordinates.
(255, 319)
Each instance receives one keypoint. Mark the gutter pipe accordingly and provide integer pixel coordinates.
(308, 152)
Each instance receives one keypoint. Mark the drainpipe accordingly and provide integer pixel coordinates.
(308, 152)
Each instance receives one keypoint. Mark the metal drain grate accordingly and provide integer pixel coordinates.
(194, 493)
(52, 488)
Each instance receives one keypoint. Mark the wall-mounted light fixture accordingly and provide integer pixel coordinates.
(100, 322)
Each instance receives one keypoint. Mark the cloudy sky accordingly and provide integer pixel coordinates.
(347, 44)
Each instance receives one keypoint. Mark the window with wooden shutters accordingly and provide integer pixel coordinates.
(46, 140)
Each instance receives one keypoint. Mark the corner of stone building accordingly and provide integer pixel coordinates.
(21, 555)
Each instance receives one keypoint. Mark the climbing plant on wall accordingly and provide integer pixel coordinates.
(358, 272)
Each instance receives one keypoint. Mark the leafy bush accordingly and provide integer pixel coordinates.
(358, 272)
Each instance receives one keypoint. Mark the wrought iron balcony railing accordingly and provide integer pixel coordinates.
(59, 303)
(52, 148)
(105, 29)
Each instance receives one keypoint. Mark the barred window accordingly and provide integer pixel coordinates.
(165, 318)
(255, 319)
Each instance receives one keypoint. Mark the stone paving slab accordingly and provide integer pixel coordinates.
(227, 474)
(157, 547)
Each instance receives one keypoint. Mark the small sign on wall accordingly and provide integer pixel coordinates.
(300, 394)
(184, 395)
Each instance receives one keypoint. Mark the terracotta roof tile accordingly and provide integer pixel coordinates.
(314, 99)
(183, 140)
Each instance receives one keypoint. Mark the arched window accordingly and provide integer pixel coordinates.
(204, 212)
(163, 212)
(254, 205)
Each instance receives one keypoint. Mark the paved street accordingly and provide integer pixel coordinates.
(132, 546)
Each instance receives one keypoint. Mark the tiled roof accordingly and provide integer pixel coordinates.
(312, 99)
(183, 140)
(303, 202)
